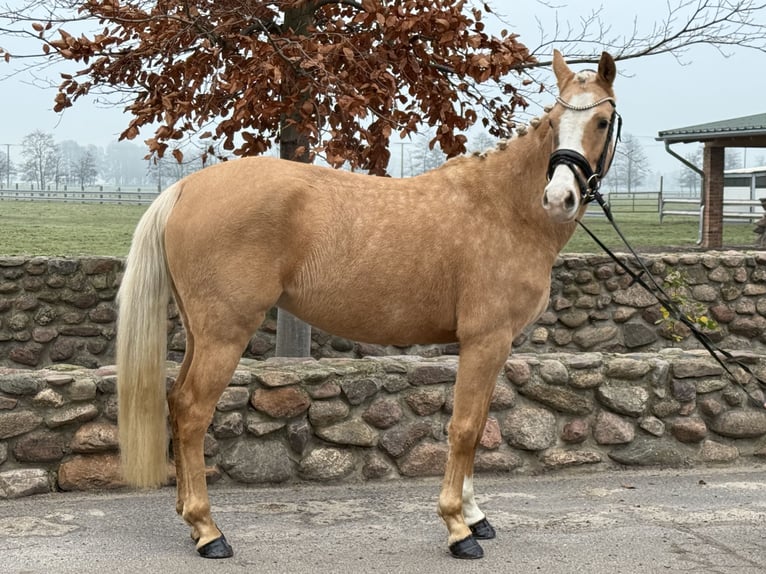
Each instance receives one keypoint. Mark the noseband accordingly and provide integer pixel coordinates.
(588, 180)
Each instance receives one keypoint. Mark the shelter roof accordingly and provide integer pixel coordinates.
(745, 131)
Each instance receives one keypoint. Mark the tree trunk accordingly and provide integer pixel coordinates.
(293, 335)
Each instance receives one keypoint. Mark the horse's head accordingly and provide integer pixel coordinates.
(585, 129)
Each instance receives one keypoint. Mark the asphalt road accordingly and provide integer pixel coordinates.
(709, 520)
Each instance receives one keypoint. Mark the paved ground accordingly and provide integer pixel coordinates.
(711, 521)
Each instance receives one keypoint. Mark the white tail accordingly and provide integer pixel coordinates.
(142, 349)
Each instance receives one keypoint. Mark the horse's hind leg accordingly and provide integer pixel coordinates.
(192, 403)
(480, 361)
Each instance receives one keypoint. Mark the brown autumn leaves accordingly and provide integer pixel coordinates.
(346, 74)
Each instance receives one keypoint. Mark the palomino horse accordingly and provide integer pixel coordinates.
(462, 253)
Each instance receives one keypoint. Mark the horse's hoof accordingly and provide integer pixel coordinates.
(482, 530)
(467, 549)
(217, 548)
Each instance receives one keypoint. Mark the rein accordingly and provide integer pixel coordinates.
(588, 180)
(651, 285)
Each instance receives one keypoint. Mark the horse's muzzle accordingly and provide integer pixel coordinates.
(561, 197)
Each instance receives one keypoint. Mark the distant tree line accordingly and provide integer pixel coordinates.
(43, 163)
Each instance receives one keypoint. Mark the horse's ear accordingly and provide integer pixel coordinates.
(607, 71)
(560, 68)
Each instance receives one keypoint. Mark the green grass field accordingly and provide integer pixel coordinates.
(69, 229)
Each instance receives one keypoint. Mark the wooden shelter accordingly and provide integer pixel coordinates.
(742, 132)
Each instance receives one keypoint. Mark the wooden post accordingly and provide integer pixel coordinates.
(293, 336)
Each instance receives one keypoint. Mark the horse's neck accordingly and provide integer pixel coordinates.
(523, 167)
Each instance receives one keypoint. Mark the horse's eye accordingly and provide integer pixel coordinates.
(603, 124)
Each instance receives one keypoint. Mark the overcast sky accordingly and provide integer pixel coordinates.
(654, 93)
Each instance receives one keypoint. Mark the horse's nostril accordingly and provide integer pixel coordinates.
(545, 200)
(569, 202)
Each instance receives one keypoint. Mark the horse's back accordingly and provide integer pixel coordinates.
(353, 254)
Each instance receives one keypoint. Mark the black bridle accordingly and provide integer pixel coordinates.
(588, 180)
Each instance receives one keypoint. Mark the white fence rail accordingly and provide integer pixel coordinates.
(675, 206)
(100, 195)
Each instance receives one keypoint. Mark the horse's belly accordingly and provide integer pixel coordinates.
(374, 321)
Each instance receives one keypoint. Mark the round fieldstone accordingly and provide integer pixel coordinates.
(326, 464)
(228, 425)
(257, 461)
(491, 437)
(591, 337)
(713, 451)
(21, 383)
(557, 398)
(384, 413)
(691, 429)
(287, 402)
(323, 413)
(400, 439)
(518, 371)
(24, 482)
(425, 402)
(503, 397)
(530, 428)
(17, 423)
(612, 429)
(260, 424)
(652, 425)
(684, 390)
(233, 398)
(560, 458)
(575, 431)
(425, 459)
(95, 437)
(627, 368)
(554, 372)
(648, 451)
(695, 367)
(500, 460)
(90, 472)
(350, 432)
(298, 434)
(71, 414)
(375, 466)
(740, 424)
(357, 391)
(432, 374)
(40, 446)
(629, 401)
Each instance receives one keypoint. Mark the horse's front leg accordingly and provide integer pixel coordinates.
(481, 359)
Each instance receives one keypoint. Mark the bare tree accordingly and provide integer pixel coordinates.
(41, 158)
(630, 166)
(425, 156)
(688, 179)
(84, 169)
(7, 169)
(732, 158)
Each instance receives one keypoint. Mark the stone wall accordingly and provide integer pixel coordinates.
(283, 420)
(62, 310)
